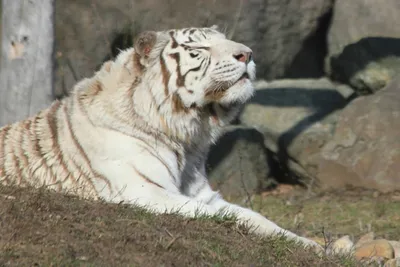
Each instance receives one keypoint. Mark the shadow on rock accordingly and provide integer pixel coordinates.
(296, 117)
(239, 164)
(368, 65)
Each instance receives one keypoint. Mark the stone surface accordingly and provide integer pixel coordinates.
(342, 246)
(373, 261)
(376, 248)
(282, 34)
(393, 263)
(365, 148)
(396, 247)
(368, 237)
(363, 44)
(238, 165)
(297, 117)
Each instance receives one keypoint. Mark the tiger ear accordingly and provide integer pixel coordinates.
(144, 43)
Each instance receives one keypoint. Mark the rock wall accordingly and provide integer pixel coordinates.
(301, 127)
(282, 34)
(365, 147)
(364, 43)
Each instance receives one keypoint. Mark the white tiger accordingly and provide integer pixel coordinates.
(139, 130)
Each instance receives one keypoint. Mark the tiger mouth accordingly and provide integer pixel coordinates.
(241, 78)
(218, 91)
(244, 76)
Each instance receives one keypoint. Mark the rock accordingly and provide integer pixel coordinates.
(376, 248)
(396, 247)
(363, 44)
(283, 35)
(395, 198)
(368, 237)
(365, 148)
(297, 118)
(373, 261)
(342, 246)
(393, 263)
(238, 165)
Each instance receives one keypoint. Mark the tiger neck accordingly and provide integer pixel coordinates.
(139, 110)
(182, 125)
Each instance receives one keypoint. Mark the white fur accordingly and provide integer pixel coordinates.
(120, 156)
(149, 146)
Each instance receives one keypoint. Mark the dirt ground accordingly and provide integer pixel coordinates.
(40, 228)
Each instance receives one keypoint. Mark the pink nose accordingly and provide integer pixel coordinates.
(244, 57)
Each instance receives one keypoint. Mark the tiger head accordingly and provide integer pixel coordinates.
(197, 67)
(184, 83)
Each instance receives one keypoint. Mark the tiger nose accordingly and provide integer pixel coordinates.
(244, 56)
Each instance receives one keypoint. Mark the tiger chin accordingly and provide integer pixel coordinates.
(139, 130)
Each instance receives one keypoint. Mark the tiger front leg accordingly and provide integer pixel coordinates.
(255, 221)
(260, 224)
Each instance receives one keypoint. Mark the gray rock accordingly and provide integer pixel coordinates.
(396, 247)
(297, 118)
(238, 165)
(282, 34)
(364, 44)
(365, 148)
(393, 263)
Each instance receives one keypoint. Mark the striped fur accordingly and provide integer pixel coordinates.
(139, 130)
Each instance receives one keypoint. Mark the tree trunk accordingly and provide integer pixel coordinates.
(26, 69)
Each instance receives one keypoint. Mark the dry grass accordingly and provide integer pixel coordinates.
(39, 228)
(333, 214)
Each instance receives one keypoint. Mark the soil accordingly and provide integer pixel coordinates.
(42, 228)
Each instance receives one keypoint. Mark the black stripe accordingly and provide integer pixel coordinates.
(202, 33)
(53, 124)
(224, 66)
(189, 47)
(38, 149)
(206, 68)
(174, 42)
(193, 69)
(180, 81)
(147, 179)
(25, 136)
(165, 73)
(83, 153)
(78, 147)
(162, 162)
(202, 64)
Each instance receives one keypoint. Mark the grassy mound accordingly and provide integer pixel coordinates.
(41, 228)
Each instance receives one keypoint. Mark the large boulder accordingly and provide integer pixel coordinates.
(281, 33)
(297, 118)
(365, 148)
(364, 43)
(239, 164)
